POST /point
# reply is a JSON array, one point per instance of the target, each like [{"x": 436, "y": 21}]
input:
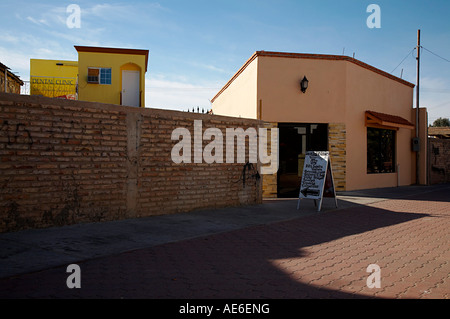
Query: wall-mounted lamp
[{"x": 304, "y": 84}]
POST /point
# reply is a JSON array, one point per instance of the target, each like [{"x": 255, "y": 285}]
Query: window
[
  {"x": 93, "y": 75},
  {"x": 99, "y": 75},
  {"x": 380, "y": 150},
  {"x": 105, "y": 76}
]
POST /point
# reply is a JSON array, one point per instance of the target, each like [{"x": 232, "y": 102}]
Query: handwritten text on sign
[{"x": 314, "y": 173}]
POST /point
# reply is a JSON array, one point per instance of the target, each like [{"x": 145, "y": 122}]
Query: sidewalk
[{"x": 263, "y": 251}]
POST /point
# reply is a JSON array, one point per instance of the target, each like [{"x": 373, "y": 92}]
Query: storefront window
[{"x": 380, "y": 151}]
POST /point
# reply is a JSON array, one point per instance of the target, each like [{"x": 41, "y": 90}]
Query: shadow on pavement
[
  {"x": 414, "y": 192},
  {"x": 235, "y": 264}
]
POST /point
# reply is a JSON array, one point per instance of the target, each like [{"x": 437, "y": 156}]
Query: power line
[
  {"x": 403, "y": 60},
  {"x": 435, "y": 54}
]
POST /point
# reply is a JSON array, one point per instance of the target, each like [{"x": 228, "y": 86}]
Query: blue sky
[{"x": 196, "y": 46}]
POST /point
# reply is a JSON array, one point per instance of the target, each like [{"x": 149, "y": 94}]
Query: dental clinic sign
[
  {"x": 53, "y": 81},
  {"x": 53, "y": 86},
  {"x": 213, "y": 152}
]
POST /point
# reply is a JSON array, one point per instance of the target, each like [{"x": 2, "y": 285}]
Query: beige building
[{"x": 362, "y": 115}]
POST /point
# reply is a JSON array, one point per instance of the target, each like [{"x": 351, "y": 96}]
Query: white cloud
[
  {"x": 6, "y": 37},
  {"x": 177, "y": 95},
  {"x": 89, "y": 36},
  {"x": 209, "y": 67},
  {"x": 110, "y": 11},
  {"x": 120, "y": 12},
  {"x": 38, "y": 21},
  {"x": 18, "y": 62},
  {"x": 45, "y": 15}
]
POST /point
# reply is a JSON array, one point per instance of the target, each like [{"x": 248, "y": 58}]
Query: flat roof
[
  {"x": 311, "y": 56},
  {"x": 114, "y": 50}
]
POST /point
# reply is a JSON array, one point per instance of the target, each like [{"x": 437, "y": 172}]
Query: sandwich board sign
[{"x": 317, "y": 179}]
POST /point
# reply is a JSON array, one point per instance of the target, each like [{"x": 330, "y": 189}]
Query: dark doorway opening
[{"x": 295, "y": 140}]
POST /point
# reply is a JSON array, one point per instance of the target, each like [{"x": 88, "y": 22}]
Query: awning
[{"x": 382, "y": 120}]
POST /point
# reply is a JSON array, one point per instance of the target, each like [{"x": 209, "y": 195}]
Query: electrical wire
[
  {"x": 403, "y": 60},
  {"x": 423, "y": 48},
  {"x": 435, "y": 54}
]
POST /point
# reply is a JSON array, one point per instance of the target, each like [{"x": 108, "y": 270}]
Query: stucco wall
[
  {"x": 367, "y": 90},
  {"x": 240, "y": 99},
  {"x": 340, "y": 91},
  {"x": 282, "y": 100}
]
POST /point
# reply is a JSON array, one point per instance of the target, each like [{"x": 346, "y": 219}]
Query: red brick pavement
[{"x": 320, "y": 256}]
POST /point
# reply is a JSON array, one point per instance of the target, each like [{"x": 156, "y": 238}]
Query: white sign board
[{"x": 317, "y": 178}]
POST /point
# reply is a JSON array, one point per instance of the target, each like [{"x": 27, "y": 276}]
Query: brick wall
[
  {"x": 269, "y": 185},
  {"x": 438, "y": 162},
  {"x": 64, "y": 162},
  {"x": 337, "y": 147}
]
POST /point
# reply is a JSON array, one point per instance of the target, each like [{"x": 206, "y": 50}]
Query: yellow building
[
  {"x": 105, "y": 75},
  {"x": 54, "y": 78},
  {"x": 112, "y": 75}
]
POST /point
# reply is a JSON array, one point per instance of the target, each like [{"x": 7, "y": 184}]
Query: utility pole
[{"x": 417, "y": 106}]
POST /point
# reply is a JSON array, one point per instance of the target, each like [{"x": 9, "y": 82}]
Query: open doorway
[{"x": 295, "y": 140}]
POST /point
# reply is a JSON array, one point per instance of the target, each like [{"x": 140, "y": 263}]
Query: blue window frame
[{"x": 105, "y": 76}]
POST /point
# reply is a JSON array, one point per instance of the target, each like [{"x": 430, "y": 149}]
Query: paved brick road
[{"x": 319, "y": 256}]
